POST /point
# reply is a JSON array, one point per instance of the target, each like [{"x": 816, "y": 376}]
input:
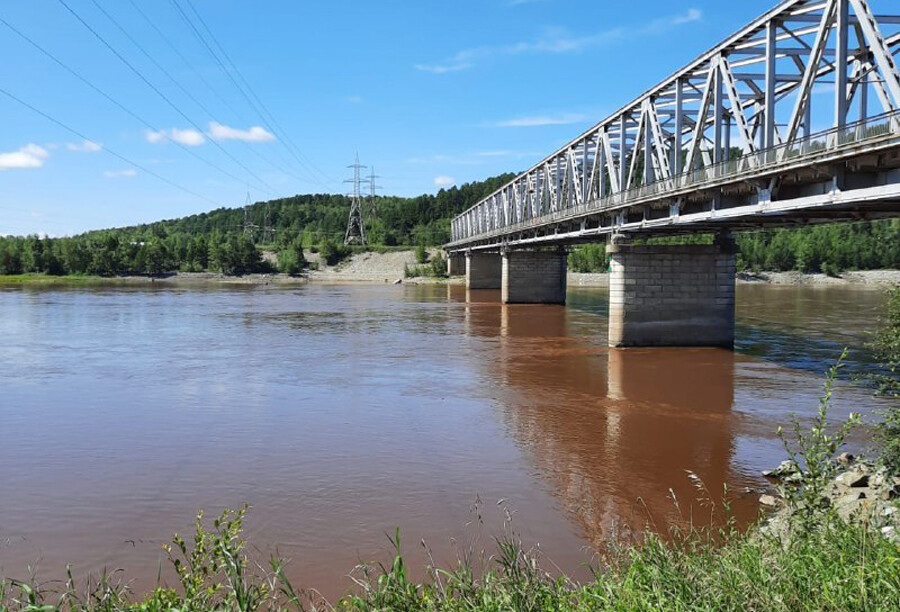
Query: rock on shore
[{"x": 859, "y": 493}]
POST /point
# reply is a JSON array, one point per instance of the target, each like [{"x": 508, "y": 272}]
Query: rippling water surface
[{"x": 341, "y": 412}]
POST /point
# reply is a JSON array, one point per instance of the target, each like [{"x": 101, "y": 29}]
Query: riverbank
[
  {"x": 176, "y": 279},
  {"x": 825, "y": 563},
  {"x": 858, "y": 277},
  {"x": 391, "y": 267}
]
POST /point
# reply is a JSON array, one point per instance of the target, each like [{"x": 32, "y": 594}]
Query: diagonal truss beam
[{"x": 758, "y": 89}]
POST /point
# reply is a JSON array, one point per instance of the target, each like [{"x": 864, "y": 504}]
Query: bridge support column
[
  {"x": 483, "y": 270},
  {"x": 672, "y": 295},
  {"x": 456, "y": 264},
  {"x": 534, "y": 277}
]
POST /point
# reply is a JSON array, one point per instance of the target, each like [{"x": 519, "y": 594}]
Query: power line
[
  {"x": 146, "y": 54},
  {"x": 121, "y": 106},
  {"x": 252, "y": 93},
  {"x": 237, "y": 86},
  {"x": 186, "y": 61},
  {"x": 161, "y": 94},
  {"x": 128, "y": 161},
  {"x": 283, "y": 137},
  {"x": 178, "y": 84}
]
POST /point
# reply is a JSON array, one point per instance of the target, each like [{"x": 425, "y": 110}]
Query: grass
[
  {"x": 69, "y": 280},
  {"x": 832, "y": 567}
]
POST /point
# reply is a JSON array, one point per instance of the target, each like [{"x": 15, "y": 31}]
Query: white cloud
[
  {"x": 692, "y": 15},
  {"x": 217, "y": 131},
  {"x": 355, "y": 99},
  {"x": 541, "y": 120},
  {"x": 86, "y": 146},
  {"x": 189, "y": 138},
  {"x": 453, "y": 66},
  {"x": 128, "y": 173},
  {"x": 444, "y": 181},
  {"x": 558, "y": 40},
  {"x": 29, "y": 156}
]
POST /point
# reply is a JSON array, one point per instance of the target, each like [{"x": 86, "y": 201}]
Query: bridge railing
[{"x": 756, "y": 162}]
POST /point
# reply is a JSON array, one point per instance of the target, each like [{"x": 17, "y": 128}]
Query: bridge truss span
[{"x": 795, "y": 118}]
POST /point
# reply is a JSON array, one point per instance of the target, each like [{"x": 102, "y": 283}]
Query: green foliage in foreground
[
  {"x": 886, "y": 347},
  {"x": 834, "y": 566}
]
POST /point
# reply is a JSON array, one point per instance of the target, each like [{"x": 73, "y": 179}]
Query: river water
[{"x": 341, "y": 412}]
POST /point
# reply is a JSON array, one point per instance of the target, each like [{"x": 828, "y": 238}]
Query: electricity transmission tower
[
  {"x": 268, "y": 233},
  {"x": 356, "y": 225},
  {"x": 249, "y": 226},
  {"x": 372, "y": 213}
]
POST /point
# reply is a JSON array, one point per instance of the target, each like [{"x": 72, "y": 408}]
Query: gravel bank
[
  {"x": 862, "y": 277},
  {"x": 365, "y": 267}
]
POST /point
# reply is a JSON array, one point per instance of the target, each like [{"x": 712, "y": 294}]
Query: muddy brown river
[{"x": 341, "y": 412}]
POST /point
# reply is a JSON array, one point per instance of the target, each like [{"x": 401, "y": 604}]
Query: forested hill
[
  {"x": 217, "y": 240},
  {"x": 424, "y": 219}
]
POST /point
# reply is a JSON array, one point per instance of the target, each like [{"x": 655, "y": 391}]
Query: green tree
[
  {"x": 332, "y": 253},
  {"x": 588, "y": 258},
  {"x": 291, "y": 260},
  {"x": 155, "y": 258}
]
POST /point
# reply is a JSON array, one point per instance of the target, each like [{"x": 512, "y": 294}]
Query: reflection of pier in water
[{"x": 612, "y": 430}]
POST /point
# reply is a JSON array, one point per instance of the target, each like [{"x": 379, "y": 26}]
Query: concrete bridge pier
[
  {"x": 483, "y": 270},
  {"x": 456, "y": 264},
  {"x": 672, "y": 295},
  {"x": 534, "y": 277}
]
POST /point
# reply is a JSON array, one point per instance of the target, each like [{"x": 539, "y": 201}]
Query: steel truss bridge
[{"x": 732, "y": 141}]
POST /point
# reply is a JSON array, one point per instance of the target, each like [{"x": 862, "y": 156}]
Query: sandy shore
[{"x": 364, "y": 267}]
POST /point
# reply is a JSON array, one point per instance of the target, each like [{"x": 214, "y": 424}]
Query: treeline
[
  {"x": 112, "y": 253},
  {"x": 830, "y": 249},
  {"x": 424, "y": 219},
  {"x": 218, "y": 241}
]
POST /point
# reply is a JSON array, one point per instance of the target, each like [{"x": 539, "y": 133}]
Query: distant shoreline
[{"x": 389, "y": 268}]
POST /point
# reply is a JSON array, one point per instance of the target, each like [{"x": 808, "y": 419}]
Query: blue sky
[{"x": 430, "y": 93}]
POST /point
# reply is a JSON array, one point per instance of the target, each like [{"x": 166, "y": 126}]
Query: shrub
[
  {"x": 291, "y": 260},
  {"x": 813, "y": 452},
  {"x": 421, "y": 254},
  {"x": 438, "y": 266},
  {"x": 886, "y": 348},
  {"x": 333, "y": 253},
  {"x": 831, "y": 269}
]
